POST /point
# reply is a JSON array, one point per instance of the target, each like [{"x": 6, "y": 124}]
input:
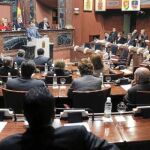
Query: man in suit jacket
[
  {"x": 120, "y": 39},
  {"x": 41, "y": 59},
  {"x": 44, "y": 24},
  {"x": 141, "y": 82},
  {"x": 87, "y": 81},
  {"x": 20, "y": 57},
  {"x": 25, "y": 82},
  {"x": 7, "y": 68},
  {"x": 19, "y": 24},
  {"x": 39, "y": 112}
]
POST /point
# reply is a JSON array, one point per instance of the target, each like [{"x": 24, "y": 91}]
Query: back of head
[
  {"x": 85, "y": 67},
  {"x": 142, "y": 75},
  {"x": 96, "y": 60},
  {"x": 27, "y": 68},
  {"x": 40, "y": 51},
  {"x": 39, "y": 108},
  {"x": 59, "y": 64},
  {"x": 21, "y": 53},
  {"x": 7, "y": 61}
]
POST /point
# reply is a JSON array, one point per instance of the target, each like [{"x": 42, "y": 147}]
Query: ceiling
[{"x": 49, "y": 3}]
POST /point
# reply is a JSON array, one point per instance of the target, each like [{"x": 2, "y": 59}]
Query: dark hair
[
  {"x": 85, "y": 67},
  {"x": 96, "y": 60},
  {"x": 21, "y": 53},
  {"x": 39, "y": 107},
  {"x": 7, "y": 61},
  {"x": 59, "y": 64},
  {"x": 27, "y": 68},
  {"x": 40, "y": 51}
]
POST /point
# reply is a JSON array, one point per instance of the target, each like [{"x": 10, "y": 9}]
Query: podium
[{"x": 41, "y": 43}]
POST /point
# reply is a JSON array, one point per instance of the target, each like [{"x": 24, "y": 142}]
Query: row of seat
[{"x": 94, "y": 100}]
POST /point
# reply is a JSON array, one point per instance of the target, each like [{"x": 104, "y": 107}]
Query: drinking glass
[
  {"x": 121, "y": 107},
  {"x": 62, "y": 81},
  {"x": 108, "y": 79}
]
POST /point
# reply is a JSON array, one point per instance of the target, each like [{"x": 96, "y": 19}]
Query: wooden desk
[
  {"x": 56, "y": 91},
  {"x": 107, "y": 131},
  {"x": 129, "y": 133}
]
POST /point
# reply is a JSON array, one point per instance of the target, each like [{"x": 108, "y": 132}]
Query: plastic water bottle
[
  {"x": 46, "y": 68},
  {"x": 108, "y": 108},
  {"x": 101, "y": 78},
  {"x": 55, "y": 80},
  {"x": 15, "y": 66},
  {"x": 9, "y": 75}
]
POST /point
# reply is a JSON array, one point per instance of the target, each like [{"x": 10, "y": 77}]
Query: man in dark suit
[
  {"x": 87, "y": 81},
  {"x": 20, "y": 57},
  {"x": 141, "y": 82},
  {"x": 130, "y": 40},
  {"x": 120, "y": 39},
  {"x": 113, "y": 35},
  {"x": 25, "y": 82},
  {"x": 19, "y": 24},
  {"x": 7, "y": 69},
  {"x": 44, "y": 24},
  {"x": 39, "y": 112},
  {"x": 41, "y": 59},
  {"x": 59, "y": 69}
]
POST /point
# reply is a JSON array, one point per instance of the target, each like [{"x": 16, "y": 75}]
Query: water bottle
[
  {"x": 15, "y": 66},
  {"x": 101, "y": 78},
  {"x": 9, "y": 75},
  {"x": 46, "y": 68},
  {"x": 108, "y": 108},
  {"x": 55, "y": 80}
]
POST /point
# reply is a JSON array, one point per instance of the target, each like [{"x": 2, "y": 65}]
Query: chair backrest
[
  {"x": 5, "y": 78},
  {"x": 94, "y": 100},
  {"x": 142, "y": 98},
  {"x": 49, "y": 79},
  {"x": 14, "y": 100}
]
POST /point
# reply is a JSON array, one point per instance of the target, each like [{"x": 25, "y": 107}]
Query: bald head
[{"x": 142, "y": 75}]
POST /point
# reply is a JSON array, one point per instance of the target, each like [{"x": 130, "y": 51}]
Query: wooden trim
[{"x": 11, "y": 13}]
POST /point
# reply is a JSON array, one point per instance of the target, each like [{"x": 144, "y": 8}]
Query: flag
[{"x": 19, "y": 12}]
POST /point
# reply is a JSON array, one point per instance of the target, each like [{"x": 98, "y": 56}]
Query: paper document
[
  {"x": 85, "y": 124},
  {"x": 2, "y": 125},
  {"x": 126, "y": 87},
  {"x": 127, "y": 71},
  {"x": 120, "y": 118}
]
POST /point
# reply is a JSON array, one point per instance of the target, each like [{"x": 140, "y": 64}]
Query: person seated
[
  {"x": 20, "y": 57},
  {"x": 5, "y": 26},
  {"x": 141, "y": 82},
  {"x": 87, "y": 81},
  {"x": 25, "y": 82},
  {"x": 120, "y": 39},
  {"x": 59, "y": 69},
  {"x": 113, "y": 35},
  {"x": 130, "y": 40},
  {"x": 7, "y": 69},
  {"x": 96, "y": 60},
  {"x": 142, "y": 38},
  {"x": 18, "y": 25},
  {"x": 44, "y": 24},
  {"x": 108, "y": 37},
  {"x": 41, "y": 59},
  {"x": 32, "y": 31},
  {"x": 39, "y": 111}
]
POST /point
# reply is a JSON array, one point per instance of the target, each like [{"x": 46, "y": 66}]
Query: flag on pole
[{"x": 19, "y": 12}]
